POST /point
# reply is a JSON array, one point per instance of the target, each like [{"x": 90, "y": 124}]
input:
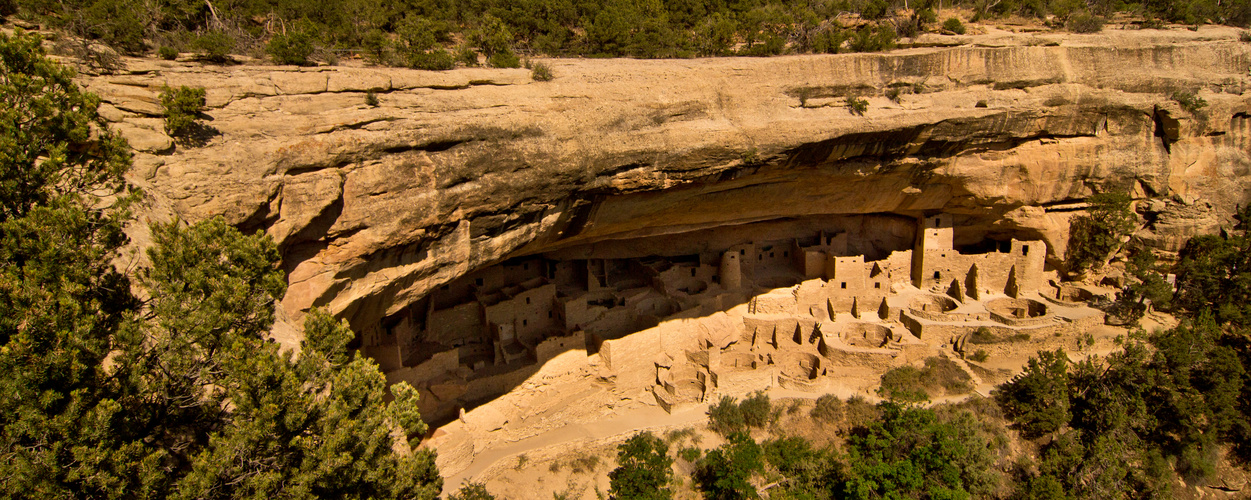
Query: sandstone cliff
[{"x": 375, "y": 206}]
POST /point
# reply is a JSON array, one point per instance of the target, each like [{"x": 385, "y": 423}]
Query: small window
[
  {"x": 549, "y": 314},
  {"x": 759, "y": 257},
  {"x": 786, "y": 253},
  {"x": 692, "y": 272},
  {"x": 742, "y": 252},
  {"x": 525, "y": 267},
  {"x": 1025, "y": 250},
  {"x": 844, "y": 284},
  {"x": 478, "y": 281},
  {"x": 877, "y": 285},
  {"x": 937, "y": 275},
  {"x": 524, "y": 322},
  {"x": 527, "y": 300},
  {"x": 770, "y": 254}
]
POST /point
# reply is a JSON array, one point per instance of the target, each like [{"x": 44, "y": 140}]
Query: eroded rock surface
[{"x": 376, "y": 206}]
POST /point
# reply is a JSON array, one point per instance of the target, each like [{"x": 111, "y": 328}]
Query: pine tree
[{"x": 180, "y": 394}]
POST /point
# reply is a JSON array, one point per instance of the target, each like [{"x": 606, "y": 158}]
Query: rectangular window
[
  {"x": 936, "y": 275},
  {"x": 877, "y": 285},
  {"x": 478, "y": 281},
  {"x": 527, "y": 300},
  {"x": 844, "y": 284},
  {"x": 524, "y": 322},
  {"x": 1025, "y": 250},
  {"x": 692, "y": 272},
  {"x": 549, "y": 314}
]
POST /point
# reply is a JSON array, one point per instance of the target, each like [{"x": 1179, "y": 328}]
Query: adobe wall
[
  {"x": 938, "y": 267},
  {"x": 455, "y": 325},
  {"x": 632, "y": 358},
  {"x": 555, "y": 346},
  {"x": 439, "y": 364}
]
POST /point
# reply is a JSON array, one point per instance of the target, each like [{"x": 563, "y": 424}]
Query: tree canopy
[
  {"x": 633, "y": 28},
  {"x": 161, "y": 384}
]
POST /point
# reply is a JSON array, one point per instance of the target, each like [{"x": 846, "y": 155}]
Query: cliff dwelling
[{"x": 788, "y": 312}]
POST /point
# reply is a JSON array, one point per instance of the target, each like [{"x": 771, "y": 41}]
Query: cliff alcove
[{"x": 604, "y": 189}]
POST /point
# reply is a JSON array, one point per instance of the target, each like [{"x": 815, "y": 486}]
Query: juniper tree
[{"x": 177, "y": 395}]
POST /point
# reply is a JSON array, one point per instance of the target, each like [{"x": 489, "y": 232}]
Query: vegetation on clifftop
[{"x": 423, "y": 33}]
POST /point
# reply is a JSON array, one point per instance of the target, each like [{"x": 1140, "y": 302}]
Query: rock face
[{"x": 375, "y": 206}]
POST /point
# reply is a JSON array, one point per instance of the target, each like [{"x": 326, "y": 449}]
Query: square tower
[
  {"x": 934, "y": 242},
  {"x": 938, "y": 232},
  {"x": 846, "y": 274}
]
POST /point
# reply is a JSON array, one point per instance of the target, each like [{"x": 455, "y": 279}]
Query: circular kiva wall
[
  {"x": 865, "y": 335},
  {"x": 933, "y": 307},
  {"x": 1017, "y": 312},
  {"x": 684, "y": 383},
  {"x": 801, "y": 365}
]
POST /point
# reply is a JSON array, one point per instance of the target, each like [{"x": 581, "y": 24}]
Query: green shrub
[
  {"x": 167, "y": 53},
  {"x": 467, "y": 56},
  {"x": 584, "y": 463},
  {"x": 645, "y": 470},
  {"x": 1096, "y": 235},
  {"x": 791, "y": 456},
  {"x": 751, "y": 156},
  {"x": 371, "y": 98},
  {"x": 504, "y": 59},
  {"x": 1189, "y": 101},
  {"x": 725, "y": 417},
  {"x": 903, "y": 384},
  {"x": 690, "y": 454},
  {"x": 980, "y": 356},
  {"x": 874, "y": 9},
  {"x": 857, "y": 105},
  {"x": 983, "y": 335},
  {"x": 1085, "y": 23},
  {"x": 541, "y": 72},
  {"x": 472, "y": 491},
  {"x": 829, "y": 40},
  {"x": 1245, "y": 36},
  {"x": 1150, "y": 22},
  {"x": 727, "y": 472},
  {"x": 676, "y": 435},
  {"x": 893, "y": 94},
  {"x": 434, "y": 60},
  {"x": 1037, "y": 399},
  {"x": 954, "y": 25},
  {"x": 376, "y": 46},
  {"x": 756, "y": 409},
  {"x": 829, "y": 408},
  {"x": 214, "y": 46},
  {"x": 290, "y": 48},
  {"x": 873, "y": 39},
  {"x": 182, "y": 107},
  {"x": 909, "y": 384}
]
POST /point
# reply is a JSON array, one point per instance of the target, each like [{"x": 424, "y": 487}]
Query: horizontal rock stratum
[{"x": 375, "y": 206}]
